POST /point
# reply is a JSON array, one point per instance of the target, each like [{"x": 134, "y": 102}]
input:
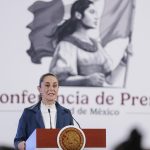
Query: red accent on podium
[{"x": 47, "y": 138}]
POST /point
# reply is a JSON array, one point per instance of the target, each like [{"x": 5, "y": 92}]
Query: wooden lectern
[{"x": 47, "y": 138}]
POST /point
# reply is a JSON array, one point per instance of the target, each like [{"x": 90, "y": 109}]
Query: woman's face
[
  {"x": 90, "y": 18},
  {"x": 49, "y": 89}
]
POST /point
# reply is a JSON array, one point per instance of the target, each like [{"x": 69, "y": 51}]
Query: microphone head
[{"x": 49, "y": 110}]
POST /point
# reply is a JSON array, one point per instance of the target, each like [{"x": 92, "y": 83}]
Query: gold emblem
[{"x": 71, "y": 138}]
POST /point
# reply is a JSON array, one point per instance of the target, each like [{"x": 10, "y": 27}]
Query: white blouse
[{"x": 46, "y": 116}]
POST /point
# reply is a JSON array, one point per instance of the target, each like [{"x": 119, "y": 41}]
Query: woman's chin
[{"x": 50, "y": 101}]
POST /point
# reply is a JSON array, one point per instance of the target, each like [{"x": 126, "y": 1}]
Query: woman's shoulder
[
  {"x": 81, "y": 44},
  {"x": 67, "y": 42},
  {"x": 33, "y": 108},
  {"x": 65, "y": 47},
  {"x": 59, "y": 106}
]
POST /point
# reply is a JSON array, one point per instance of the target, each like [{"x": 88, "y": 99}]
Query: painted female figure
[{"x": 80, "y": 60}]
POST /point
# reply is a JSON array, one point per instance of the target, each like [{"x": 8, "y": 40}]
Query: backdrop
[{"x": 119, "y": 109}]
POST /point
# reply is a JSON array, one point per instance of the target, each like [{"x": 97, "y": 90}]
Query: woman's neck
[
  {"x": 82, "y": 34},
  {"x": 48, "y": 102}
]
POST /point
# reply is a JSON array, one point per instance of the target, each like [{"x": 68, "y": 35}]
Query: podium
[{"x": 47, "y": 138}]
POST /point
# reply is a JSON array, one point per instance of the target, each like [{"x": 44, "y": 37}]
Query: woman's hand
[
  {"x": 22, "y": 145},
  {"x": 95, "y": 79}
]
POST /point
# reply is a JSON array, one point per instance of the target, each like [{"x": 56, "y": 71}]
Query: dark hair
[
  {"x": 45, "y": 75},
  {"x": 70, "y": 25}
]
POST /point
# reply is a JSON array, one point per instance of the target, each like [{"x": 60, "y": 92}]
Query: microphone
[
  {"x": 76, "y": 122},
  {"x": 50, "y": 118},
  {"x": 74, "y": 119}
]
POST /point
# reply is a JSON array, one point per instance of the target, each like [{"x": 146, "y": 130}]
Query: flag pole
[{"x": 129, "y": 47}]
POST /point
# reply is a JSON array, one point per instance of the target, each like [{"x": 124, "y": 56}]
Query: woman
[
  {"x": 47, "y": 113},
  {"x": 80, "y": 60}
]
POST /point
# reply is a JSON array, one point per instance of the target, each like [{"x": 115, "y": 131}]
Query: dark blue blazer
[{"x": 32, "y": 119}]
